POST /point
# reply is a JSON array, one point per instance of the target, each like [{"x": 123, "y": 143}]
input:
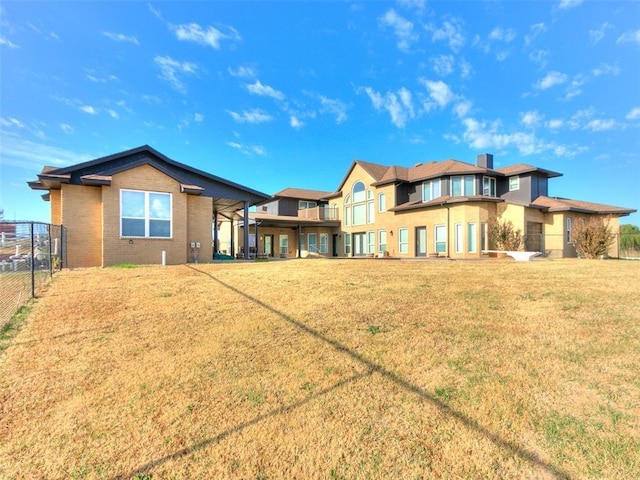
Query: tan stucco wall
[
  {"x": 81, "y": 214},
  {"x": 143, "y": 250}
]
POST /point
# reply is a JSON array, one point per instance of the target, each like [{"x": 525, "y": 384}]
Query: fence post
[
  {"x": 33, "y": 264},
  {"x": 49, "y": 226}
]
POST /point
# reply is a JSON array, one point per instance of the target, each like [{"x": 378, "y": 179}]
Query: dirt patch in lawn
[{"x": 328, "y": 369}]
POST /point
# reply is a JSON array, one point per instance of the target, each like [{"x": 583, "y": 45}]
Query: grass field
[{"x": 328, "y": 369}]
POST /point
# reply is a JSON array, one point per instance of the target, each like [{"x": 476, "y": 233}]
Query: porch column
[
  {"x": 246, "y": 229},
  {"x": 257, "y": 240},
  {"x": 299, "y": 241},
  {"x": 215, "y": 233},
  {"x": 233, "y": 239}
]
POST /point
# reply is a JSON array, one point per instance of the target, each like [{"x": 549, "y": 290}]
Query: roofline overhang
[{"x": 446, "y": 201}]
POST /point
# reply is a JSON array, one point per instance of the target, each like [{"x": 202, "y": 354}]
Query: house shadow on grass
[{"x": 371, "y": 368}]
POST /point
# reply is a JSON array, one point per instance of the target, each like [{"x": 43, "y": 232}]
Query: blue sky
[{"x": 287, "y": 94}]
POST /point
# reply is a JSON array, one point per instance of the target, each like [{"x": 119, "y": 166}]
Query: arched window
[{"x": 358, "y": 192}]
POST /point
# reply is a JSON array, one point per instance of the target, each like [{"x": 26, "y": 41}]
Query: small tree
[
  {"x": 505, "y": 236},
  {"x": 591, "y": 237},
  {"x": 629, "y": 239}
]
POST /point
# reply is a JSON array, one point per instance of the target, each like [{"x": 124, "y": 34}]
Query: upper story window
[
  {"x": 382, "y": 200},
  {"x": 431, "y": 190},
  {"x": 463, "y": 186},
  {"x": 145, "y": 214},
  {"x": 514, "y": 183},
  {"x": 568, "y": 230},
  {"x": 303, "y": 204},
  {"x": 489, "y": 186},
  {"x": 358, "y": 192}
]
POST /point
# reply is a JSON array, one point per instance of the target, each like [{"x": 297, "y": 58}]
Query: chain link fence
[
  {"x": 626, "y": 246},
  {"x": 30, "y": 253}
]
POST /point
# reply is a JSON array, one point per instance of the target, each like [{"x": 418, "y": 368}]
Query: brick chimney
[{"x": 485, "y": 160}]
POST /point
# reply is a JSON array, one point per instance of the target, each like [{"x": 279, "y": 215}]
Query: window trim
[
  {"x": 568, "y": 230},
  {"x": 324, "y": 245},
  {"x": 458, "y": 238},
  {"x": 147, "y": 214},
  {"x": 401, "y": 243},
  {"x": 382, "y": 202},
  {"x": 431, "y": 184},
  {"x": 491, "y": 186},
  {"x": 514, "y": 183},
  {"x": 463, "y": 180},
  {"x": 472, "y": 237},
  {"x": 381, "y": 243}
]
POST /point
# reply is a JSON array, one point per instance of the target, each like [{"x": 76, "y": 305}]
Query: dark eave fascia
[{"x": 445, "y": 201}]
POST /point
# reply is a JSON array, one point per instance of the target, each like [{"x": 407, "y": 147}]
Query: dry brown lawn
[{"x": 351, "y": 369}]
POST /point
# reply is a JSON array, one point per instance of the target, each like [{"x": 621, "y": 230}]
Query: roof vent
[{"x": 418, "y": 164}]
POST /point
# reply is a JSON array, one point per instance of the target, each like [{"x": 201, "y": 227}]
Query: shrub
[
  {"x": 505, "y": 236},
  {"x": 591, "y": 237}
]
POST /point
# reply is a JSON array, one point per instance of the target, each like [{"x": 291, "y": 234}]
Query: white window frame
[
  {"x": 382, "y": 241},
  {"x": 147, "y": 218},
  {"x": 371, "y": 242},
  {"x": 304, "y": 204},
  {"x": 489, "y": 186},
  {"x": 403, "y": 246},
  {"x": 458, "y": 238},
  {"x": 431, "y": 184},
  {"x": 514, "y": 183},
  {"x": 463, "y": 182},
  {"x": 315, "y": 243},
  {"x": 324, "y": 243},
  {"x": 472, "y": 237},
  {"x": 347, "y": 244},
  {"x": 437, "y": 240},
  {"x": 382, "y": 199},
  {"x": 284, "y": 246}
]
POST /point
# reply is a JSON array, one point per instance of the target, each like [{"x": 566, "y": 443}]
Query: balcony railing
[{"x": 318, "y": 213}]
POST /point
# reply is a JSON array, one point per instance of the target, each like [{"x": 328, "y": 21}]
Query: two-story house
[{"x": 436, "y": 208}]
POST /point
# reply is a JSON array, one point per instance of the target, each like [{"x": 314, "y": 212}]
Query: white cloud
[
  {"x": 629, "y": 37},
  {"x": 598, "y": 34},
  {"x": 555, "y": 123},
  {"x": 295, "y": 122},
  {"x": 11, "y": 122},
  {"x": 565, "y": 4},
  {"x": 450, "y": 32},
  {"x": 121, "y": 37},
  {"x": 531, "y": 119},
  {"x": 242, "y": 72},
  {"x": 112, "y": 113},
  {"x": 634, "y": 114},
  {"x": 443, "y": 64},
  {"x": 32, "y": 156},
  {"x": 399, "y": 105},
  {"x": 66, "y": 128},
  {"x": 89, "y": 109},
  {"x": 170, "y": 69},
  {"x": 417, "y": 5},
  {"x": 8, "y": 43},
  {"x": 198, "y": 117},
  {"x": 575, "y": 87},
  {"x": 439, "y": 93},
  {"x": 335, "y": 107},
  {"x": 463, "y": 108},
  {"x": 550, "y": 80},
  {"x": 600, "y": 125},
  {"x": 606, "y": 69},
  {"x": 402, "y": 28},
  {"x": 535, "y": 31},
  {"x": 258, "y": 88},
  {"x": 252, "y": 116},
  {"x": 210, "y": 36},
  {"x": 580, "y": 117},
  {"x": 502, "y": 35},
  {"x": 465, "y": 69},
  {"x": 249, "y": 150},
  {"x": 539, "y": 57}
]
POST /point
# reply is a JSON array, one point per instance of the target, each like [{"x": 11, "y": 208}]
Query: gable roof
[
  {"x": 376, "y": 171},
  {"x": 557, "y": 204},
  {"x": 228, "y": 196},
  {"x": 521, "y": 168},
  {"x": 302, "y": 194}
]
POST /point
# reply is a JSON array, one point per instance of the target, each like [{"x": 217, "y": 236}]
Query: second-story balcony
[{"x": 318, "y": 213}]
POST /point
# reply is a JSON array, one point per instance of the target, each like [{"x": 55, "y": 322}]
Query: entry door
[
  {"x": 268, "y": 245},
  {"x": 421, "y": 241},
  {"x": 335, "y": 244},
  {"x": 359, "y": 242}
]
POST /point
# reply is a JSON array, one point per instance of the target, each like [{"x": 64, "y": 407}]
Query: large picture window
[
  {"x": 489, "y": 186},
  {"x": 463, "y": 186},
  {"x": 145, "y": 214}
]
